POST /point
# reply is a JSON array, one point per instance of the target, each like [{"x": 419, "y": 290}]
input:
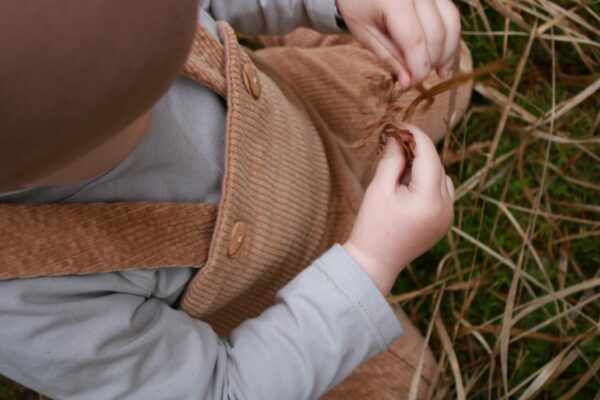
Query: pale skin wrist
[{"x": 382, "y": 275}]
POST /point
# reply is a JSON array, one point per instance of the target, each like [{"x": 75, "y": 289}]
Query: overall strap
[
  {"x": 77, "y": 239},
  {"x": 67, "y": 239},
  {"x": 206, "y": 62}
]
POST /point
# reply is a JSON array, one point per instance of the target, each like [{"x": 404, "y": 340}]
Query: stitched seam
[
  {"x": 213, "y": 164},
  {"x": 356, "y": 303},
  {"x": 138, "y": 284}
]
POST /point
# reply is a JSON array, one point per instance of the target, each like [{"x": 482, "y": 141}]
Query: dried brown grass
[{"x": 513, "y": 309}]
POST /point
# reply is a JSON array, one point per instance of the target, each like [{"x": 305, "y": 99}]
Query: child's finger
[
  {"x": 383, "y": 48},
  {"x": 407, "y": 32},
  {"x": 391, "y": 166},
  {"x": 451, "y": 18},
  {"x": 434, "y": 29},
  {"x": 446, "y": 186},
  {"x": 426, "y": 167},
  {"x": 445, "y": 70},
  {"x": 449, "y": 186}
]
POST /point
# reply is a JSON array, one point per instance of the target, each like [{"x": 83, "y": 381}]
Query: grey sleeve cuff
[
  {"x": 326, "y": 322},
  {"x": 322, "y": 15},
  {"x": 352, "y": 281}
]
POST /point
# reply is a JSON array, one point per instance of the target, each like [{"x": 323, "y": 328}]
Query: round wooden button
[
  {"x": 251, "y": 80},
  {"x": 237, "y": 239}
]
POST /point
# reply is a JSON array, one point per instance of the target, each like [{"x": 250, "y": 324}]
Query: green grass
[
  {"x": 571, "y": 175},
  {"x": 473, "y": 283},
  {"x": 12, "y": 391}
]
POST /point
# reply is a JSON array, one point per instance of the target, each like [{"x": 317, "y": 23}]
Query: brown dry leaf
[{"x": 382, "y": 96}]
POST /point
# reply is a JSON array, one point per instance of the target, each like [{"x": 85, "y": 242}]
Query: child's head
[{"x": 74, "y": 73}]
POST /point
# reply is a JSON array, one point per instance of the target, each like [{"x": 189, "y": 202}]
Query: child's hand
[
  {"x": 413, "y": 35},
  {"x": 403, "y": 213}
]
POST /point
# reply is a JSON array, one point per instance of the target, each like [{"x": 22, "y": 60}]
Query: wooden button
[
  {"x": 237, "y": 239},
  {"x": 251, "y": 80}
]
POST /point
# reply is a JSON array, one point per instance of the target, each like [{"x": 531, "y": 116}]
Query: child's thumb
[{"x": 392, "y": 163}]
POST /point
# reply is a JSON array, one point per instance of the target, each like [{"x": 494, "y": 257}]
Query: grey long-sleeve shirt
[{"x": 117, "y": 336}]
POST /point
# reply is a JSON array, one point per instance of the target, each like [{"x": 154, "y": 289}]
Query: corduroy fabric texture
[
  {"x": 291, "y": 175},
  {"x": 280, "y": 181},
  {"x": 291, "y": 180},
  {"x": 77, "y": 239}
]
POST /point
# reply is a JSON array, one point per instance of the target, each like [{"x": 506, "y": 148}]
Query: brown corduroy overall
[{"x": 291, "y": 189}]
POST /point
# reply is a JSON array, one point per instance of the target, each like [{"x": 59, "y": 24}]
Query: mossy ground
[{"x": 538, "y": 211}]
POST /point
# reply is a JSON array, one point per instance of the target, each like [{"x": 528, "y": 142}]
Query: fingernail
[
  {"x": 440, "y": 72},
  {"x": 445, "y": 73},
  {"x": 389, "y": 144},
  {"x": 401, "y": 77}
]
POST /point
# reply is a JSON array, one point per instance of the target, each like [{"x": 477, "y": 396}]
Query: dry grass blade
[
  {"x": 541, "y": 301},
  {"x": 451, "y": 84},
  {"x": 516, "y": 334},
  {"x": 570, "y": 238},
  {"x": 416, "y": 379},
  {"x": 578, "y": 182},
  {"x": 475, "y": 331},
  {"x": 583, "y": 207},
  {"x": 582, "y": 381},
  {"x": 507, "y": 323},
  {"x": 500, "y": 99},
  {"x": 575, "y": 101},
  {"x": 507, "y": 108},
  {"x": 514, "y": 17},
  {"x": 452, "y": 157},
  {"x": 532, "y": 331},
  {"x": 447, "y": 346},
  {"x": 534, "y": 375},
  {"x": 400, "y": 298},
  {"x": 470, "y": 184},
  {"x": 581, "y": 221},
  {"x": 549, "y": 370},
  {"x": 558, "y": 138},
  {"x": 522, "y": 234},
  {"x": 499, "y": 257}
]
